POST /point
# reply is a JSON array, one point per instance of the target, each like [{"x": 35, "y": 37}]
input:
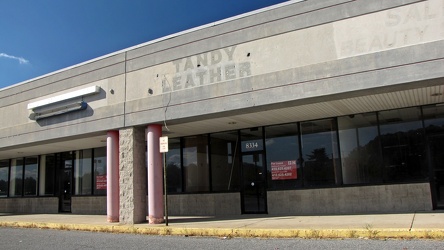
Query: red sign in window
[
  {"x": 100, "y": 182},
  {"x": 283, "y": 170}
]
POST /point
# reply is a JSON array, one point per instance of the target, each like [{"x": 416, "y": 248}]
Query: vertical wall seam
[{"x": 124, "y": 91}]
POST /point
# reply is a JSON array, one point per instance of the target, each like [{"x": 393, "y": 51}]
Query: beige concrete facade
[
  {"x": 351, "y": 200},
  {"x": 88, "y": 205},
  {"x": 31, "y": 205},
  {"x": 204, "y": 204},
  {"x": 301, "y": 61},
  {"x": 227, "y": 71}
]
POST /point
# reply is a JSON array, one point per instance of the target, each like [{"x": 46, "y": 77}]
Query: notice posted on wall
[
  {"x": 284, "y": 170},
  {"x": 100, "y": 182}
]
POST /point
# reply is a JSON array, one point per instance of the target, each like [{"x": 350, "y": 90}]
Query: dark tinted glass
[
  {"x": 283, "y": 160},
  {"x": 174, "y": 169},
  {"x": 320, "y": 153},
  {"x": 195, "y": 164},
  {"x": 225, "y": 151},
  {"x": 403, "y": 148},
  {"x": 360, "y": 149}
]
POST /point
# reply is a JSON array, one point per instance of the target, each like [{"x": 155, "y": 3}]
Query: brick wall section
[
  {"x": 204, "y": 204},
  {"x": 133, "y": 175},
  {"x": 351, "y": 200},
  {"x": 34, "y": 205},
  {"x": 88, "y": 205}
]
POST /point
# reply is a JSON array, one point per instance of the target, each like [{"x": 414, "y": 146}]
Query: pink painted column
[
  {"x": 112, "y": 176},
  {"x": 155, "y": 175}
]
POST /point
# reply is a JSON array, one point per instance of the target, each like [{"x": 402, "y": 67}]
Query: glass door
[
  {"x": 254, "y": 171},
  {"x": 65, "y": 181},
  {"x": 65, "y": 197},
  {"x": 254, "y": 185}
]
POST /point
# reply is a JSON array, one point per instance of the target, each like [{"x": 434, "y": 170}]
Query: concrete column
[
  {"x": 155, "y": 175},
  {"x": 112, "y": 176},
  {"x": 133, "y": 183}
]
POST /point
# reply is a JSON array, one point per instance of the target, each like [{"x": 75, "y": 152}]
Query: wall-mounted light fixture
[
  {"x": 61, "y": 104},
  {"x": 78, "y": 93},
  {"x": 40, "y": 114}
]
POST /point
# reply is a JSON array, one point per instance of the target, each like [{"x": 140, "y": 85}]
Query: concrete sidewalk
[{"x": 409, "y": 225}]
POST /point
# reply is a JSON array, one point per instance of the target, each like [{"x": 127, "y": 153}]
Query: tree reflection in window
[{"x": 320, "y": 150}]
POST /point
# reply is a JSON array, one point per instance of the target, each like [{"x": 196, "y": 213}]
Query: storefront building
[{"x": 307, "y": 107}]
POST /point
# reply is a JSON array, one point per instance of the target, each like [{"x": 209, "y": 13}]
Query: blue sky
[{"x": 41, "y": 36}]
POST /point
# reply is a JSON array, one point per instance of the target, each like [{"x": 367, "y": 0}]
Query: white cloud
[{"x": 20, "y": 59}]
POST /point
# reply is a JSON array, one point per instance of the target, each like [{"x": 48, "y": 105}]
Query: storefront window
[
  {"x": 83, "y": 173},
  {"x": 174, "y": 170},
  {"x": 4, "y": 175},
  {"x": 434, "y": 120},
  {"x": 320, "y": 153},
  {"x": 100, "y": 171},
  {"x": 16, "y": 178},
  {"x": 434, "y": 125},
  {"x": 195, "y": 163},
  {"x": 47, "y": 174},
  {"x": 283, "y": 160},
  {"x": 31, "y": 175},
  {"x": 360, "y": 149},
  {"x": 403, "y": 148},
  {"x": 225, "y": 153}
]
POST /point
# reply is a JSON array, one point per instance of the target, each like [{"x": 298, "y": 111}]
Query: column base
[
  {"x": 153, "y": 220},
  {"x": 112, "y": 219}
]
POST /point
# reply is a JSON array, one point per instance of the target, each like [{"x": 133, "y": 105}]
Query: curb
[{"x": 366, "y": 233}]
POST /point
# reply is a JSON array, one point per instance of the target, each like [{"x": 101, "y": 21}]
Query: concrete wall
[
  {"x": 269, "y": 58},
  {"x": 347, "y": 200},
  {"x": 339, "y": 50},
  {"x": 132, "y": 175},
  {"x": 351, "y": 200},
  {"x": 88, "y": 205},
  {"x": 204, "y": 204},
  {"x": 34, "y": 205},
  {"x": 104, "y": 111},
  {"x": 50, "y": 205}
]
